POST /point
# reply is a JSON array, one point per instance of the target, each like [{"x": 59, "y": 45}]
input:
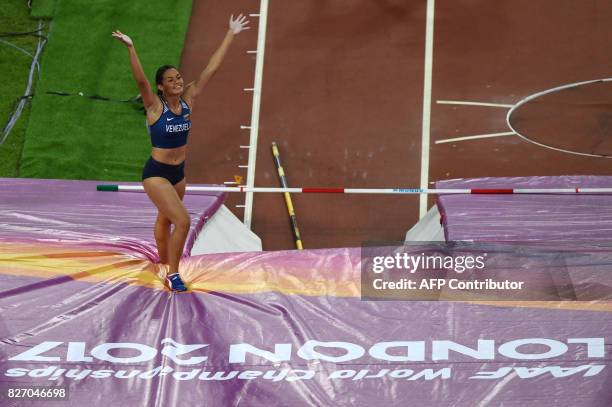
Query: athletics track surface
[{"x": 343, "y": 89}]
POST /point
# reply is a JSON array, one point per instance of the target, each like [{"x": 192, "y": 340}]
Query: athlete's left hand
[{"x": 239, "y": 24}]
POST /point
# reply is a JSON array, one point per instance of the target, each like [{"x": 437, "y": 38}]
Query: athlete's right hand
[{"x": 123, "y": 38}]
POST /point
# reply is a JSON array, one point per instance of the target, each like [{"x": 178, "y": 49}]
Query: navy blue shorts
[{"x": 173, "y": 173}]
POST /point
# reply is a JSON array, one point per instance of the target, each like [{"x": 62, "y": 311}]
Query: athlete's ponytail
[{"x": 159, "y": 76}]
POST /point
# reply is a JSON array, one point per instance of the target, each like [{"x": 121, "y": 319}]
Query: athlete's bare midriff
[{"x": 171, "y": 156}]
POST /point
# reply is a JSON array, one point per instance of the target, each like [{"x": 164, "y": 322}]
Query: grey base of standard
[
  {"x": 428, "y": 229},
  {"x": 225, "y": 233}
]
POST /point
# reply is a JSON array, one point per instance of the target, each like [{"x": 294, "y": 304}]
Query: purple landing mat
[
  {"x": 73, "y": 211},
  {"x": 118, "y": 344},
  {"x": 527, "y": 217}
]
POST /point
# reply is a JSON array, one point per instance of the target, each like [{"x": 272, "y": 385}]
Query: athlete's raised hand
[
  {"x": 149, "y": 99},
  {"x": 239, "y": 24},
  {"x": 123, "y": 38}
]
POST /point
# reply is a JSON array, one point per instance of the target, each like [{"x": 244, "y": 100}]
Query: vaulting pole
[{"x": 289, "y": 203}]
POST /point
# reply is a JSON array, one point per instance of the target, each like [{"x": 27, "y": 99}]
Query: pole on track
[{"x": 289, "y": 203}]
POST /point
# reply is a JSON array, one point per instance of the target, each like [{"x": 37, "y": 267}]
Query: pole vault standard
[{"x": 400, "y": 191}]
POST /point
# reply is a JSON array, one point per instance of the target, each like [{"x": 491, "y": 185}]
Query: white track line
[
  {"x": 545, "y": 92},
  {"x": 261, "y": 46},
  {"x": 468, "y": 103},
  {"x": 425, "y": 135},
  {"x": 479, "y": 136}
]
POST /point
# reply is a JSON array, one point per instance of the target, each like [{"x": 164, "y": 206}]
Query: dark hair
[{"x": 159, "y": 75}]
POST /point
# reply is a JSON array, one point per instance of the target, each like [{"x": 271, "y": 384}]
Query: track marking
[
  {"x": 254, "y": 125},
  {"x": 479, "y": 136},
  {"x": 469, "y": 103},
  {"x": 511, "y": 110},
  {"x": 425, "y": 135},
  {"x": 545, "y": 92}
]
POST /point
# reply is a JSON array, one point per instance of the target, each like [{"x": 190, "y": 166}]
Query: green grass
[
  {"x": 78, "y": 138},
  {"x": 43, "y": 8},
  {"x": 15, "y": 66}
]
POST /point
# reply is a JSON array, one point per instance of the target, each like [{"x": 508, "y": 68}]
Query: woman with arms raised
[{"x": 168, "y": 120}]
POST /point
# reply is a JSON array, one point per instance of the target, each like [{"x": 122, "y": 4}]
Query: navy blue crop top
[{"x": 171, "y": 130}]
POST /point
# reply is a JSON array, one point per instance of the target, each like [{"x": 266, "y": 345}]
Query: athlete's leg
[
  {"x": 162, "y": 237},
  {"x": 180, "y": 188},
  {"x": 162, "y": 227},
  {"x": 169, "y": 204}
]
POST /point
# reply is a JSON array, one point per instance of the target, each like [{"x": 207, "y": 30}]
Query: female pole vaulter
[{"x": 168, "y": 120}]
